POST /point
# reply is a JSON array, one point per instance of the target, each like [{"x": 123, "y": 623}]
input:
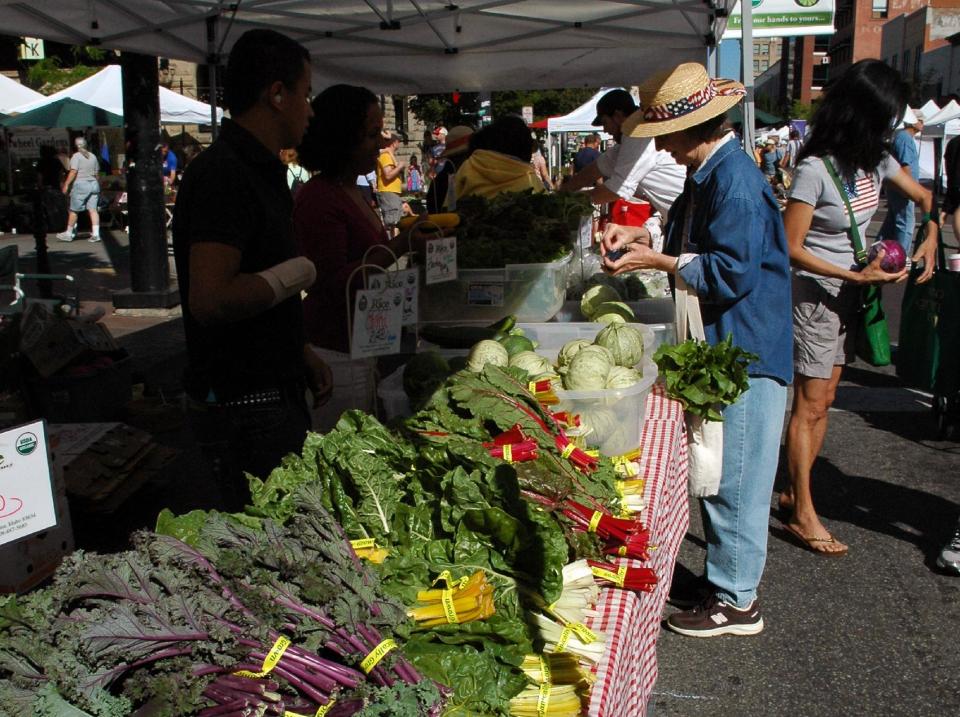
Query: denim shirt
[{"x": 742, "y": 271}]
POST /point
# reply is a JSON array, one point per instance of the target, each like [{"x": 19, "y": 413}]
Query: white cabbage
[
  {"x": 623, "y": 377},
  {"x": 485, "y": 352},
  {"x": 599, "y": 425},
  {"x": 609, "y": 309},
  {"x": 533, "y": 363},
  {"x": 569, "y": 350},
  {"x": 624, "y": 342},
  {"x": 594, "y": 297},
  {"x": 588, "y": 370}
]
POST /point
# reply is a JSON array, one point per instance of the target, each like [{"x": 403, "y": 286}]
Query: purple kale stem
[
  {"x": 322, "y": 619},
  {"x": 204, "y": 670},
  {"x": 303, "y": 685},
  {"x": 262, "y": 688},
  {"x": 232, "y": 709},
  {"x": 346, "y": 676},
  {"x": 161, "y": 655}
]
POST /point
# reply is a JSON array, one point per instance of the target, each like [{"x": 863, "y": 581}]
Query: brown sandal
[{"x": 811, "y": 543}]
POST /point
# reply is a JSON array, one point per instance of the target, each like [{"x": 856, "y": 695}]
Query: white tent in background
[
  {"x": 929, "y": 109},
  {"x": 13, "y": 94},
  {"x": 581, "y": 119},
  {"x": 105, "y": 90}
]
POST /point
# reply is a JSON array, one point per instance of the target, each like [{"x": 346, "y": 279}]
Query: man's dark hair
[
  {"x": 335, "y": 130},
  {"x": 843, "y": 128},
  {"x": 258, "y": 59},
  {"x": 507, "y": 135},
  {"x": 592, "y": 139},
  {"x": 611, "y": 102}
]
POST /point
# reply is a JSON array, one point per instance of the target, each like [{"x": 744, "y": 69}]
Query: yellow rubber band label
[
  {"x": 568, "y": 450},
  {"x": 614, "y": 577},
  {"x": 270, "y": 661},
  {"x": 592, "y": 453},
  {"x": 584, "y": 633},
  {"x": 546, "y": 674},
  {"x": 321, "y": 711},
  {"x": 594, "y": 521},
  {"x": 622, "y": 551},
  {"x": 508, "y": 453},
  {"x": 565, "y": 635},
  {"x": 378, "y": 653},
  {"x": 364, "y": 543},
  {"x": 543, "y": 700},
  {"x": 449, "y": 611}
]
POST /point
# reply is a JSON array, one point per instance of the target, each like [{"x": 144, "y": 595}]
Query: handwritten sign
[
  {"x": 441, "y": 260},
  {"x": 377, "y": 322},
  {"x": 408, "y": 282},
  {"x": 26, "y": 492}
]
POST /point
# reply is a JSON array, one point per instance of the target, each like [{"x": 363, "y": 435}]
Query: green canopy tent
[
  {"x": 65, "y": 113},
  {"x": 761, "y": 118}
]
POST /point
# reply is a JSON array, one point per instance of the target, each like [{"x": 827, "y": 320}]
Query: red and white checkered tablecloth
[{"x": 631, "y": 620}]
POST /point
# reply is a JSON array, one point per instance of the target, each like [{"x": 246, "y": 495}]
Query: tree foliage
[
  {"x": 50, "y": 75},
  {"x": 440, "y": 108}
]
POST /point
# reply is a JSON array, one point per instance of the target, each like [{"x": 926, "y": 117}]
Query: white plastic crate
[
  {"x": 531, "y": 292},
  {"x": 625, "y": 409}
]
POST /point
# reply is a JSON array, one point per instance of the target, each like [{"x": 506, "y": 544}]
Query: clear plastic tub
[
  {"x": 550, "y": 337},
  {"x": 531, "y": 292},
  {"x": 620, "y": 413},
  {"x": 392, "y": 397},
  {"x": 646, "y": 311}
]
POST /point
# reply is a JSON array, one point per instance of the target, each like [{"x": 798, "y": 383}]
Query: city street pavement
[{"x": 873, "y": 633}]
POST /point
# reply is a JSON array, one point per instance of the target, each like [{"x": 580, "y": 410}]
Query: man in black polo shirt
[{"x": 240, "y": 274}]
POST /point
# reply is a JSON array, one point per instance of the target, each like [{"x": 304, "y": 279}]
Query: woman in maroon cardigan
[{"x": 334, "y": 226}]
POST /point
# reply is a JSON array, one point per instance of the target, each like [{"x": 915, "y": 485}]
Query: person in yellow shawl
[{"x": 500, "y": 161}]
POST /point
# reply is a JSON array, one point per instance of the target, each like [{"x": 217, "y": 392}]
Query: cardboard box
[{"x": 51, "y": 342}]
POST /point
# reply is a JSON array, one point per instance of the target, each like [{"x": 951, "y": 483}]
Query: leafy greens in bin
[{"x": 517, "y": 228}]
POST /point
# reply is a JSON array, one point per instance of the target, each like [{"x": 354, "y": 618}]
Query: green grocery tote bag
[{"x": 928, "y": 357}]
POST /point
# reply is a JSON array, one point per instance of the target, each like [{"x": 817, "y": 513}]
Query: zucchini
[
  {"x": 448, "y": 220},
  {"x": 464, "y": 337}
]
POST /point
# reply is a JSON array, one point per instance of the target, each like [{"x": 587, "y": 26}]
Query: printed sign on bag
[
  {"x": 377, "y": 321},
  {"x": 441, "y": 260},
  {"x": 26, "y": 492},
  {"x": 406, "y": 281}
]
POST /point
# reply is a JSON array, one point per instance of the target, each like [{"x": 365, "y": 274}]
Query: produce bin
[
  {"x": 531, "y": 292},
  {"x": 550, "y": 337},
  {"x": 622, "y": 410},
  {"x": 647, "y": 311}
]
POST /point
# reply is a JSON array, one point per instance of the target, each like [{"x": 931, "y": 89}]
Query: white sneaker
[
  {"x": 65, "y": 236},
  {"x": 94, "y": 238},
  {"x": 949, "y": 558}
]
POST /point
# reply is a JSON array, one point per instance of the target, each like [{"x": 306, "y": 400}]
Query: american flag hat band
[{"x": 685, "y": 105}]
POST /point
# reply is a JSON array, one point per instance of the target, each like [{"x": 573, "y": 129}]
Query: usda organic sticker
[{"x": 26, "y": 444}]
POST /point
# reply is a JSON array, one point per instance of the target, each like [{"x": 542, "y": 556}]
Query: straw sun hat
[{"x": 680, "y": 98}]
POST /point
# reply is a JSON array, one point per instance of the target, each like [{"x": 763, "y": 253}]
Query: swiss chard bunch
[{"x": 704, "y": 378}]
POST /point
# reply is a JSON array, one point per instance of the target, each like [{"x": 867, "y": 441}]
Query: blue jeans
[
  {"x": 900, "y": 220},
  {"x": 736, "y": 519}
]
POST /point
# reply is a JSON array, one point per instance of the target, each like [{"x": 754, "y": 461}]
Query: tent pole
[
  {"x": 6, "y": 140},
  {"x": 149, "y": 266},
  {"x": 712, "y": 60},
  {"x": 212, "y": 61},
  {"x": 746, "y": 73}
]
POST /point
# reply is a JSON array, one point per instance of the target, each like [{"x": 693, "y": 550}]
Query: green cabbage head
[
  {"x": 624, "y": 342},
  {"x": 484, "y": 352},
  {"x": 533, "y": 363}
]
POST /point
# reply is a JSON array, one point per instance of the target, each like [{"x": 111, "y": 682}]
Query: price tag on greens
[
  {"x": 26, "y": 492},
  {"x": 377, "y": 323},
  {"x": 408, "y": 282},
  {"x": 441, "y": 264}
]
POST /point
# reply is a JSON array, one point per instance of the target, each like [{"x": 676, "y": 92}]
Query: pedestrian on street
[
  {"x": 390, "y": 180},
  {"x": 725, "y": 239},
  {"x": 441, "y": 195},
  {"x": 240, "y": 274},
  {"x": 588, "y": 153},
  {"x": 901, "y": 211},
  {"x": 848, "y": 142},
  {"x": 84, "y": 189}
]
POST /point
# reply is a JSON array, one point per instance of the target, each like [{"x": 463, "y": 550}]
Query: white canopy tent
[
  {"x": 105, "y": 90},
  {"x": 406, "y": 46},
  {"x": 581, "y": 119},
  {"x": 13, "y": 93}
]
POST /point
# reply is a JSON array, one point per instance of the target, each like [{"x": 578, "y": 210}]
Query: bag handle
[
  {"x": 859, "y": 254},
  {"x": 686, "y": 303}
]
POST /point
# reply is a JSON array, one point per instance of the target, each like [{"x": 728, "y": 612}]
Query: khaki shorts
[
  {"x": 824, "y": 327},
  {"x": 391, "y": 206}
]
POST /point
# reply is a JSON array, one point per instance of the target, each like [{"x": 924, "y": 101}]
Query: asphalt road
[{"x": 873, "y": 633}]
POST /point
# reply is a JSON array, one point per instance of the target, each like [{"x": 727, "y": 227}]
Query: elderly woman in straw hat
[{"x": 725, "y": 241}]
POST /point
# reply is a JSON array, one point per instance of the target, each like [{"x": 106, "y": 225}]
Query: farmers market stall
[{"x": 631, "y": 620}]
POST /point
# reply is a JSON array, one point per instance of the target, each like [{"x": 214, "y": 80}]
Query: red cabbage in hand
[{"x": 894, "y": 258}]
